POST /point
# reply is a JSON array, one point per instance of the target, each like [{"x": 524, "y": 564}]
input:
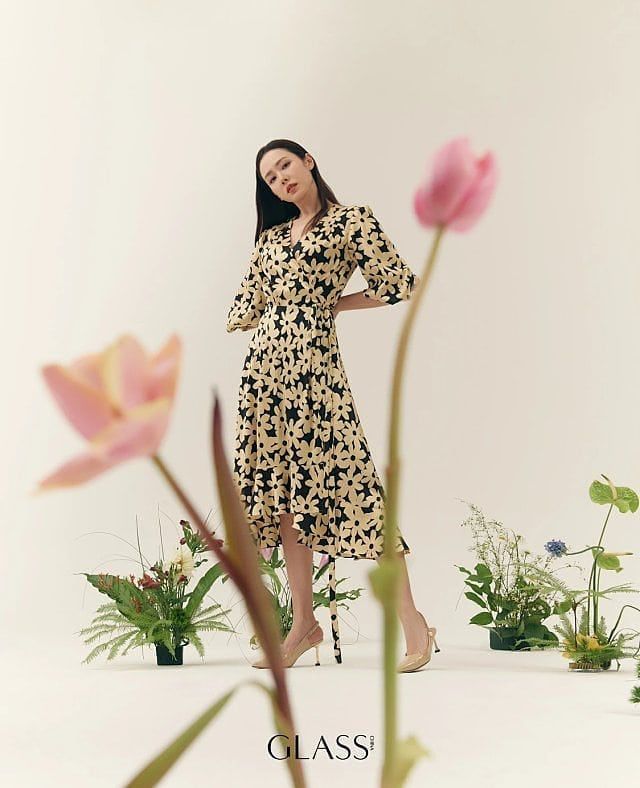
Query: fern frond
[
  {"x": 117, "y": 642},
  {"x": 197, "y": 643}
]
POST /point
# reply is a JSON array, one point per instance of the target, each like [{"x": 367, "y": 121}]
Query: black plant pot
[
  {"x": 499, "y": 640},
  {"x": 163, "y": 655}
]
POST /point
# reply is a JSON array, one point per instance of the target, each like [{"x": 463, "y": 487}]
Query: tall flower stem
[
  {"x": 390, "y": 557},
  {"x": 596, "y": 577},
  {"x": 281, "y": 695}
]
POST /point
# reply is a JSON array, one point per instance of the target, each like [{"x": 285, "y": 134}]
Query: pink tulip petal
[
  {"x": 267, "y": 552},
  {"x": 138, "y": 435},
  {"x": 77, "y": 471},
  {"x": 476, "y": 201},
  {"x": 454, "y": 171},
  {"x": 324, "y": 560},
  {"x": 85, "y": 408},
  {"x": 165, "y": 367},
  {"x": 89, "y": 369},
  {"x": 425, "y": 209},
  {"x": 125, "y": 369}
]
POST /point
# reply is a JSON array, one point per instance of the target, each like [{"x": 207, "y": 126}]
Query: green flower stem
[
  {"x": 596, "y": 577},
  {"x": 615, "y": 626},
  {"x": 390, "y": 557},
  {"x": 593, "y": 581},
  {"x": 177, "y": 489}
]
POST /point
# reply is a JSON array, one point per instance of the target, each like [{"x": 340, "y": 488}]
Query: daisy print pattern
[{"x": 299, "y": 444}]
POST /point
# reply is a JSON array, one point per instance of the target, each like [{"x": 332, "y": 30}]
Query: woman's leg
[
  {"x": 299, "y": 564},
  {"x": 412, "y": 623}
]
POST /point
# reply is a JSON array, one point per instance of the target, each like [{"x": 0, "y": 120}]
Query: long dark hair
[{"x": 271, "y": 209}]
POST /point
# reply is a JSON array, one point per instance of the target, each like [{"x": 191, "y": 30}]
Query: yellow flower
[{"x": 590, "y": 642}]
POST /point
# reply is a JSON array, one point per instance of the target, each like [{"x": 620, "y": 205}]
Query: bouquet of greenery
[
  {"x": 158, "y": 608},
  {"x": 502, "y": 583},
  {"x": 273, "y": 570},
  {"x": 587, "y": 643}
]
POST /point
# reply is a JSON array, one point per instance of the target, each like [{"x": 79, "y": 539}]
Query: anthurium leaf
[
  {"x": 408, "y": 753},
  {"x": 608, "y": 561},
  {"x": 624, "y": 498},
  {"x": 482, "y": 619}
]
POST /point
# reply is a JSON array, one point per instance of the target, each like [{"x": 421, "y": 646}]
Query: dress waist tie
[{"x": 333, "y": 608}]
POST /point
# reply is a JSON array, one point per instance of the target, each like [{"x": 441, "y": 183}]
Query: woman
[{"x": 302, "y": 462}]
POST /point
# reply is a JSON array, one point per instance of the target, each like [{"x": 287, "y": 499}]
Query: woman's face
[{"x": 281, "y": 169}]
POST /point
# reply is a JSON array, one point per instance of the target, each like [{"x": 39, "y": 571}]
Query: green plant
[
  {"x": 589, "y": 647},
  {"x": 159, "y": 607},
  {"x": 588, "y": 642},
  {"x": 273, "y": 568},
  {"x": 502, "y": 584}
]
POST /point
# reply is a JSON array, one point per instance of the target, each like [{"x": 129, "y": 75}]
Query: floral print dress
[{"x": 299, "y": 445}]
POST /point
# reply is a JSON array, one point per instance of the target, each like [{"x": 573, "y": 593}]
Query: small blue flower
[{"x": 556, "y": 548}]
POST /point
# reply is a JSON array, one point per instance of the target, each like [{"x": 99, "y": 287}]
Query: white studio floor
[{"x": 489, "y": 718}]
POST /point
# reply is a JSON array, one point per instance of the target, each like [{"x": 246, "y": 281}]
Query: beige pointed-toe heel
[
  {"x": 289, "y": 658},
  {"x": 413, "y": 662}
]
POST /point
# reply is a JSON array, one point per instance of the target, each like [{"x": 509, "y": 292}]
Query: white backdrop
[{"x": 129, "y": 132}]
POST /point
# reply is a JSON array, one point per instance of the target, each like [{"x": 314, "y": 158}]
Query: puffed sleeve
[
  {"x": 388, "y": 276},
  {"x": 249, "y": 301}
]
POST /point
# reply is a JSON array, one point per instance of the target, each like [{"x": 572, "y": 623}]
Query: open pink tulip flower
[
  {"x": 119, "y": 400},
  {"x": 458, "y": 187}
]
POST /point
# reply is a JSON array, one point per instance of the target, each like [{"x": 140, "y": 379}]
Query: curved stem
[{"x": 615, "y": 626}]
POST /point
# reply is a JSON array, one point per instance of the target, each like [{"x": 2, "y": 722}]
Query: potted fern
[{"x": 158, "y": 608}]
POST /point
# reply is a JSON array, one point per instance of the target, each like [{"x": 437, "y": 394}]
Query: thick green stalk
[{"x": 390, "y": 557}]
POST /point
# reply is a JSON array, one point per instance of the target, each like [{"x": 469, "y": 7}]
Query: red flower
[{"x": 148, "y": 582}]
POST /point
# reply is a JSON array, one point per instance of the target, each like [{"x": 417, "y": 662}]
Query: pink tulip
[
  {"x": 119, "y": 400},
  {"x": 458, "y": 188},
  {"x": 323, "y": 560},
  {"x": 266, "y": 553}
]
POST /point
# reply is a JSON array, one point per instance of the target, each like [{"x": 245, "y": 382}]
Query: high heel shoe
[
  {"x": 290, "y": 657},
  {"x": 414, "y": 661}
]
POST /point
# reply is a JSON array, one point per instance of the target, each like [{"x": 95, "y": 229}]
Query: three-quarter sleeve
[
  {"x": 249, "y": 301},
  {"x": 387, "y": 275}
]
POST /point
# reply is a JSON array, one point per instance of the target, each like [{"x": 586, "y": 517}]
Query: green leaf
[
  {"x": 201, "y": 589},
  {"x": 624, "y": 498},
  {"x": 608, "y": 561},
  {"x": 160, "y": 765},
  {"x": 475, "y": 598},
  {"x": 482, "y": 619},
  {"x": 562, "y": 607},
  {"x": 131, "y": 601},
  {"x": 408, "y": 753},
  {"x": 482, "y": 570},
  {"x": 475, "y": 588}
]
